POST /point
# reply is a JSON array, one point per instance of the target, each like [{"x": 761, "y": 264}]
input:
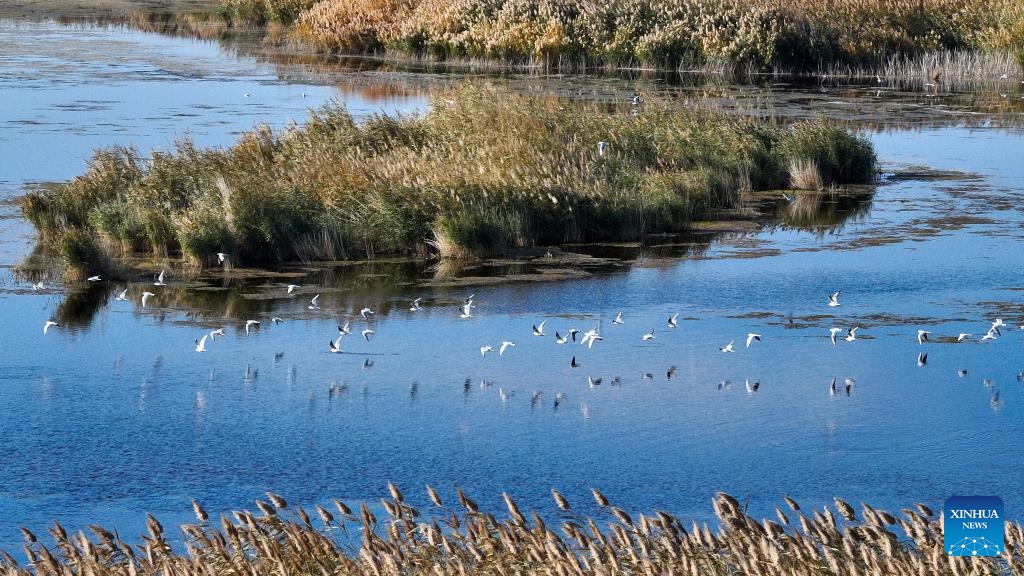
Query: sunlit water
[{"x": 115, "y": 414}]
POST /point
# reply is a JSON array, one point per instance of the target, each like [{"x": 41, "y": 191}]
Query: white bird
[
  {"x": 335, "y": 345},
  {"x": 342, "y": 330},
  {"x": 505, "y": 346},
  {"x": 38, "y": 286},
  {"x": 538, "y": 329},
  {"x": 467, "y": 310},
  {"x": 46, "y": 327},
  {"x": 991, "y": 334},
  {"x": 249, "y": 324},
  {"x": 922, "y": 336},
  {"x": 122, "y": 296},
  {"x": 753, "y": 387},
  {"x": 832, "y": 332},
  {"x": 365, "y": 311},
  {"x": 145, "y": 297},
  {"x": 728, "y": 347},
  {"x": 201, "y": 343},
  {"x": 963, "y": 336},
  {"x": 559, "y": 339},
  {"x": 602, "y": 148},
  {"x": 415, "y": 305},
  {"x": 618, "y": 319},
  {"x": 672, "y": 320},
  {"x": 751, "y": 337},
  {"x": 93, "y": 279},
  {"x": 485, "y": 349},
  {"x": 312, "y": 303},
  {"x": 851, "y": 334},
  {"x": 922, "y": 359},
  {"x": 367, "y": 333},
  {"x": 648, "y": 336},
  {"x": 221, "y": 257},
  {"x": 276, "y": 320},
  {"x": 591, "y": 381},
  {"x": 160, "y": 280},
  {"x": 833, "y": 298},
  {"x": 832, "y": 388},
  {"x": 215, "y": 333},
  {"x": 589, "y": 337},
  {"x": 293, "y": 288}
]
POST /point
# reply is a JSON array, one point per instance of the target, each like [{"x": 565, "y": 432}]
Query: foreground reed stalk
[{"x": 462, "y": 539}]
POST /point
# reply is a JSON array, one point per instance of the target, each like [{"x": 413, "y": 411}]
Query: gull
[
  {"x": 215, "y": 333},
  {"x": 751, "y": 337},
  {"x": 366, "y": 311},
  {"x": 221, "y": 257},
  {"x": 312, "y": 303},
  {"x": 276, "y": 320},
  {"x": 591, "y": 381},
  {"x": 832, "y": 334},
  {"x": 648, "y": 336},
  {"x": 961, "y": 373},
  {"x": 559, "y": 339},
  {"x": 342, "y": 330},
  {"x": 123, "y": 296},
  {"x": 367, "y": 333},
  {"x": 728, "y": 347},
  {"x": 201, "y": 344},
  {"x": 467, "y": 310},
  {"x": 922, "y": 359},
  {"x": 249, "y": 324},
  {"x": 672, "y": 320},
  {"x": 589, "y": 337},
  {"x": 849, "y": 385},
  {"x": 832, "y": 387},
  {"x": 538, "y": 329},
  {"x": 753, "y": 387},
  {"x": 963, "y": 336},
  {"x": 572, "y": 333},
  {"x": 618, "y": 319},
  {"x": 292, "y": 288},
  {"x": 991, "y": 334},
  {"x": 851, "y": 334},
  {"x": 648, "y": 376},
  {"x": 573, "y": 363},
  {"x": 558, "y": 398},
  {"x": 536, "y": 397},
  {"x": 635, "y": 100},
  {"x": 335, "y": 345},
  {"x": 922, "y": 336},
  {"x": 468, "y": 299},
  {"x": 415, "y": 305},
  {"x": 602, "y": 148},
  {"x": 93, "y": 279},
  {"x": 160, "y": 280},
  {"x": 46, "y": 327},
  {"x": 833, "y": 298},
  {"x": 145, "y": 297},
  {"x": 38, "y": 286},
  {"x": 485, "y": 349},
  {"x": 505, "y": 346}
]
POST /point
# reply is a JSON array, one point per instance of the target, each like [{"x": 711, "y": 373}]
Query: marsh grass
[
  {"x": 481, "y": 172},
  {"x": 459, "y": 537},
  {"x": 728, "y": 35}
]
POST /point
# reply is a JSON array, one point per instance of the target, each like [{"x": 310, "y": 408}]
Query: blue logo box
[{"x": 973, "y": 526}]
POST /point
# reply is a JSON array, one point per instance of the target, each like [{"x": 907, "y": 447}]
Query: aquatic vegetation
[
  {"x": 807, "y": 36},
  {"x": 482, "y": 171},
  {"x": 261, "y": 12},
  {"x": 463, "y": 539}
]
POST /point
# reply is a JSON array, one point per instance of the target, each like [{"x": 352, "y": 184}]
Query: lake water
[{"x": 114, "y": 414}]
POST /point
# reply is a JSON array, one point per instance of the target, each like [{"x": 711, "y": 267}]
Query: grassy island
[
  {"x": 481, "y": 171},
  {"x": 751, "y": 35},
  {"x": 460, "y": 538}
]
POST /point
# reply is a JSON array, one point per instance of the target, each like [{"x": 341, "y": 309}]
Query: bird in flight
[
  {"x": 833, "y": 298},
  {"x": 505, "y": 346},
  {"x": 728, "y": 347},
  {"x": 251, "y": 324},
  {"x": 672, "y": 320},
  {"x": 201, "y": 343},
  {"x": 922, "y": 336},
  {"x": 46, "y": 327},
  {"x": 312, "y": 303},
  {"x": 751, "y": 337},
  {"x": 145, "y": 298},
  {"x": 538, "y": 329}
]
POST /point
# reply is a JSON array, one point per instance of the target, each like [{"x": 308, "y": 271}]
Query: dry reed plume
[
  {"x": 463, "y": 539},
  {"x": 805, "y": 35}
]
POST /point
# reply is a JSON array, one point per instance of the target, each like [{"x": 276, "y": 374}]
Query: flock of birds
[{"x": 586, "y": 338}]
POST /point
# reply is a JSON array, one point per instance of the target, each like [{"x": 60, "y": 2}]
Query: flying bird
[
  {"x": 367, "y": 333},
  {"x": 215, "y": 333},
  {"x": 312, "y": 303},
  {"x": 832, "y": 332},
  {"x": 145, "y": 298},
  {"x": 751, "y": 337},
  {"x": 342, "y": 330},
  {"x": 201, "y": 343},
  {"x": 618, "y": 319},
  {"x": 467, "y": 310},
  {"x": 93, "y": 279},
  {"x": 538, "y": 329},
  {"x": 335, "y": 345},
  {"x": 672, "y": 320},
  {"x": 559, "y": 339},
  {"x": 250, "y": 324},
  {"x": 160, "y": 280},
  {"x": 46, "y": 327},
  {"x": 963, "y": 336},
  {"x": 922, "y": 336},
  {"x": 505, "y": 346},
  {"x": 485, "y": 349},
  {"x": 648, "y": 336},
  {"x": 277, "y": 320},
  {"x": 292, "y": 288},
  {"x": 833, "y": 298},
  {"x": 221, "y": 257},
  {"x": 415, "y": 305},
  {"x": 728, "y": 347},
  {"x": 753, "y": 387},
  {"x": 851, "y": 334},
  {"x": 123, "y": 296},
  {"x": 366, "y": 311}
]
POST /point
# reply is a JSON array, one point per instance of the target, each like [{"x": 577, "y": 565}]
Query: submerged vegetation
[
  {"x": 760, "y": 35},
  {"x": 480, "y": 172},
  {"x": 462, "y": 539}
]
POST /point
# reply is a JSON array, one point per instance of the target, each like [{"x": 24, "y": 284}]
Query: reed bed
[
  {"x": 482, "y": 171},
  {"x": 463, "y": 539},
  {"x": 803, "y": 35}
]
